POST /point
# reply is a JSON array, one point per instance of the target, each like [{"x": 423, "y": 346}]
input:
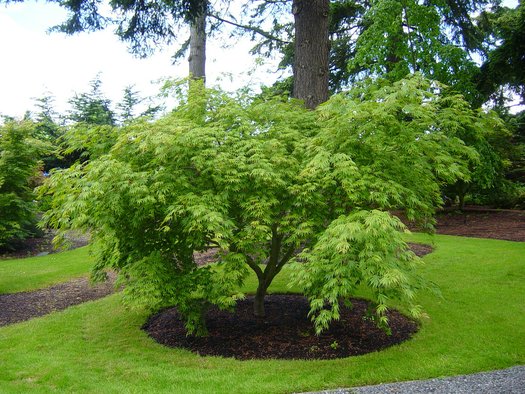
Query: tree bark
[
  {"x": 311, "y": 51},
  {"x": 197, "y": 57},
  {"x": 258, "y": 302}
]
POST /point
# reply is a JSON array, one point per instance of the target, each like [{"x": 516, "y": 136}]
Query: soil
[
  {"x": 43, "y": 245},
  {"x": 17, "y": 307},
  {"x": 286, "y": 332},
  {"x": 483, "y": 223}
]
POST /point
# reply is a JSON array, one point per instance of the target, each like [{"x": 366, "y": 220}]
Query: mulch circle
[{"x": 285, "y": 333}]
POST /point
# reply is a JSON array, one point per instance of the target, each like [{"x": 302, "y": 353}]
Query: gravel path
[{"x": 505, "y": 381}]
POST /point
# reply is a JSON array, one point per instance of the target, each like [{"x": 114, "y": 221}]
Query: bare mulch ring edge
[{"x": 285, "y": 333}]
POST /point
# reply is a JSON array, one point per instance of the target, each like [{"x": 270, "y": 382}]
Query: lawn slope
[
  {"x": 478, "y": 325},
  {"x": 38, "y": 272}
]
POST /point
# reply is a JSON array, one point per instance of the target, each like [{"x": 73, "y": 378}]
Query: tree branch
[
  {"x": 253, "y": 265},
  {"x": 254, "y": 29},
  {"x": 286, "y": 257}
]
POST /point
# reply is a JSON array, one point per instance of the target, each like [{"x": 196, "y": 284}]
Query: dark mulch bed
[
  {"x": 483, "y": 223},
  {"x": 42, "y": 245},
  {"x": 285, "y": 333},
  {"x": 18, "y": 307},
  {"x": 419, "y": 249}
]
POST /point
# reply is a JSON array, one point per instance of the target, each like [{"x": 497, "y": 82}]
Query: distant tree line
[{"x": 44, "y": 140}]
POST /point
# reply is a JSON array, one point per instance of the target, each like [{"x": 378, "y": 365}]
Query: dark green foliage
[
  {"x": 19, "y": 167},
  {"x": 517, "y": 171},
  {"x": 502, "y": 166},
  {"x": 92, "y": 129},
  {"x": 48, "y": 129},
  {"x": 92, "y": 108},
  {"x": 435, "y": 38},
  {"x": 505, "y": 66},
  {"x": 264, "y": 180},
  {"x": 143, "y": 24},
  {"x": 490, "y": 139}
]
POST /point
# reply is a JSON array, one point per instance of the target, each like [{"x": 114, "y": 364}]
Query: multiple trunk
[
  {"x": 279, "y": 256},
  {"x": 311, "y": 60}
]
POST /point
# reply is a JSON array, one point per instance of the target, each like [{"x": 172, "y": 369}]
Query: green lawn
[
  {"x": 38, "y": 272},
  {"x": 478, "y": 325}
]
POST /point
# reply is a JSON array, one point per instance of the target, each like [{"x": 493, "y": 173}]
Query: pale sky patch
[{"x": 35, "y": 62}]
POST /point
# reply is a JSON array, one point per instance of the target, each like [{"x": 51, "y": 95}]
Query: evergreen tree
[
  {"x": 48, "y": 129},
  {"x": 92, "y": 107},
  {"x": 20, "y": 164},
  {"x": 128, "y": 106},
  {"x": 504, "y": 70},
  {"x": 91, "y": 125}
]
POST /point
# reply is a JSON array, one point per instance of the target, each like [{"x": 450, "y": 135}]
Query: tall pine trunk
[
  {"x": 197, "y": 57},
  {"x": 197, "y": 62},
  {"x": 311, "y": 51}
]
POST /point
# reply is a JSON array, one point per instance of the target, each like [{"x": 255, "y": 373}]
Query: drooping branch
[{"x": 254, "y": 29}]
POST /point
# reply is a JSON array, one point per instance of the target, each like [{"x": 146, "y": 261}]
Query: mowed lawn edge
[
  {"x": 33, "y": 273},
  {"x": 477, "y": 325}
]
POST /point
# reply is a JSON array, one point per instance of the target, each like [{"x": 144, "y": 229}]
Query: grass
[
  {"x": 478, "y": 325},
  {"x": 38, "y": 272}
]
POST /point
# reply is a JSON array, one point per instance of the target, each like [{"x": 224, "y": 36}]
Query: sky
[{"x": 34, "y": 63}]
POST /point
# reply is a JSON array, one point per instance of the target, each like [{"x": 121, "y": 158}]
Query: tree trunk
[
  {"x": 311, "y": 51},
  {"x": 197, "y": 58},
  {"x": 258, "y": 302},
  {"x": 197, "y": 62}
]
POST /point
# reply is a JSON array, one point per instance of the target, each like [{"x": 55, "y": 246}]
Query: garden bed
[{"x": 242, "y": 336}]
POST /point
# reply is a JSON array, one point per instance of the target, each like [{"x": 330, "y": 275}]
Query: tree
[
  {"x": 19, "y": 165},
  {"x": 128, "y": 106},
  {"x": 47, "y": 119},
  {"x": 269, "y": 182},
  {"x": 91, "y": 131},
  {"x": 435, "y": 38},
  {"x": 390, "y": 37},
  {"x": 490, "y": 140},
  {"x": 48, "y": 129},
  {"x": 92, "y": 108}
]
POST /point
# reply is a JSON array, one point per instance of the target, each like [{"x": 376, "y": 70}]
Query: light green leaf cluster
[
  {"x": 88, "y": 141},
  {"x": 263, "y": 180},
  {"x": 391, "y": 147},
  {"x": 363, "y": 248}
]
